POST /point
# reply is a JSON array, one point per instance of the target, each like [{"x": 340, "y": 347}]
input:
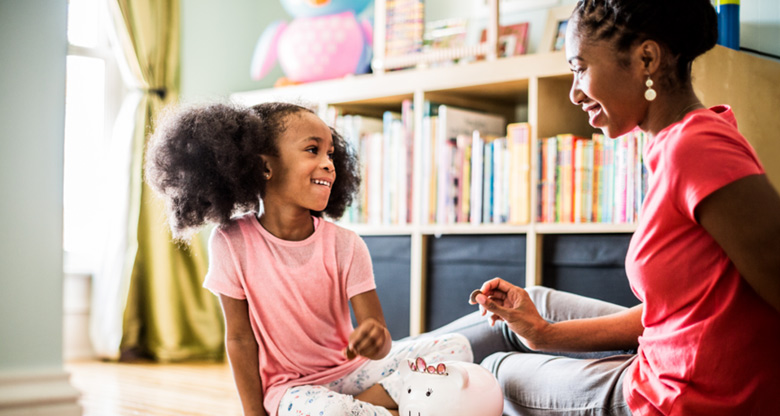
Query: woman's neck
[
  {"x": 669, "y": 109},
  {"x": 287, "y": 225}
]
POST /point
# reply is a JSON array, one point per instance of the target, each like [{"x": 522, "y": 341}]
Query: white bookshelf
[{"x": 532, "y": 88}]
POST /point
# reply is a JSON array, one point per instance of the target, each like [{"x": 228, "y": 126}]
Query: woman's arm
[
  {"x": 242, "y": 353},
  {"x": 619, "y": 331},
  {"x": 513, "y": 305},
  {"x": 744, "y": 218},
  {"x": 371, "y": 338}
]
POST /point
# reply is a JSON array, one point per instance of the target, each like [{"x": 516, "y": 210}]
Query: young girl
[{"x": 284, "y": 275}]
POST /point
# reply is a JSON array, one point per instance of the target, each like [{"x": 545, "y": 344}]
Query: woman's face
[{"x": 611, "y": 92}]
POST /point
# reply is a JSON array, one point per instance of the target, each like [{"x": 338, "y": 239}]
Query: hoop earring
[{"x": 650, "y": 93}]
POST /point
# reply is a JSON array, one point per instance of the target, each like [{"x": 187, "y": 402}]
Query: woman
[{"x": 704, "y": 260}]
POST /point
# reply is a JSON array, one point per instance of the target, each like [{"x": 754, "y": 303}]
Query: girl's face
[
  {"x": 303, "y": 173},
  {"x": 610, "y": 92}
]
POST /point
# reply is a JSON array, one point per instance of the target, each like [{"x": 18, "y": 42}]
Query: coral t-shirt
[
  {"x": 710, "y": 344},
  {"x": 298, "y": 295}
]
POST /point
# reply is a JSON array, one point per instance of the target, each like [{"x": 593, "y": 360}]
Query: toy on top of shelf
[
  {"x": 451, "y": 388},
  {"x": 325, "y": 40}
]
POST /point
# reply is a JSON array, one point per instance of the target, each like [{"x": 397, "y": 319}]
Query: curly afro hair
[{"x": 205, "y": 162}]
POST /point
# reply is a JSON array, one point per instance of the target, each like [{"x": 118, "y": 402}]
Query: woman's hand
[
  {"x": 368, "y": 339},
  {"x": 513, "y": 305}
]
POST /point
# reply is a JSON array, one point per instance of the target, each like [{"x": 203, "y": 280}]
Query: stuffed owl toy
[{"x": 325, "y": 40}]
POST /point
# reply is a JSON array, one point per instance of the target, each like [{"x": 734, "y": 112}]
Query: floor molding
[{"x": 39, "y": 393}]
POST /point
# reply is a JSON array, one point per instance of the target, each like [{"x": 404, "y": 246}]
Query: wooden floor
[{"x": 124, "y": 389}]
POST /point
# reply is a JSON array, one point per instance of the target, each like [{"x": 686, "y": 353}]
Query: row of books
[
  {"x": 591, "y": 179},
  {"x": 385, "y": 151},
  {"x": 476, "y": 169},
  {"x": 405, "y": 26}
]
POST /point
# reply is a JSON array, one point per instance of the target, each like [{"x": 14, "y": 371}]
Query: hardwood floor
[{"x": 133, "y": 389}]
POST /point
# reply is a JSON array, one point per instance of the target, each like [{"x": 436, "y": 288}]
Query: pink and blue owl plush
[{"x": 324, "y": 41}]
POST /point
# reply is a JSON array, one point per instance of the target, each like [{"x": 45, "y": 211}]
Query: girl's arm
[
  {"x": 513, "y": 305},
  {"x": 744, "y": 218},
  {"x": 242, "y": 353},
  {"x": 371, "y": 339}
]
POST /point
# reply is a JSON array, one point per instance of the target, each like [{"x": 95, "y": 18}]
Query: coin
[
  {"x": 349, "y": 353},
  {"x": 473, "y": 297}
]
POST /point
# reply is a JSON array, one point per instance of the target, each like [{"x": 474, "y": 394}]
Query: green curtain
[{"x": 168, "y": 316}]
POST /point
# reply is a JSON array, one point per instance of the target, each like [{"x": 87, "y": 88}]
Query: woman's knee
[
  {"x": 453, "y": 346},
  {"x": 493, "y": 361},
  {"x": 538, "y": 293}
]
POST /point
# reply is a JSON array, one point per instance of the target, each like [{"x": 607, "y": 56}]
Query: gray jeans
[{"x": 549, "y": 384}]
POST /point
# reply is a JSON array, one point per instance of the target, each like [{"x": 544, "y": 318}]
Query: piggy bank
[{"x": 451, "y": 388}]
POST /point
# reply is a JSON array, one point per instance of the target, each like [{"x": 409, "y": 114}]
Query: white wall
[
  {"x": 32, "y": 114},
  {"x": 760, "y": 25},
  {"x": 217, "y": 41}
]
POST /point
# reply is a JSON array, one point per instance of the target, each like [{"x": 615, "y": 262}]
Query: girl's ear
[{"x": 267, "y": 169}]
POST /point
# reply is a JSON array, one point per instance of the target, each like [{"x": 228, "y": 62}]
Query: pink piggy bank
[{"x": 450, "y": 388}]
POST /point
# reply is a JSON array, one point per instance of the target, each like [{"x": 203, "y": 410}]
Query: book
[
  {"x": 487, "y": 181},
  {"x": 499, "y": 149},
  {"x": 463, "y": 178},
  {"x": 407, "y": 162},
  {"x": 583, "y": 180},
  {"x": 519, "y": 143},
  {"x": 598, "y": 178},
  {"x": 550, "y": 178},
  {"x": 430, "y": 162},
  {"x": 477, "y": 172}
]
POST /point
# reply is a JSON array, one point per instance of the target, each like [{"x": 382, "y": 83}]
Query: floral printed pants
[{"x": 337, "y": 397}]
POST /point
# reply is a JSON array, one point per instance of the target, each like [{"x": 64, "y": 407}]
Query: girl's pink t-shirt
[
  {"x": 298, "y": 295},
  {"x": 710, "y": 344}
]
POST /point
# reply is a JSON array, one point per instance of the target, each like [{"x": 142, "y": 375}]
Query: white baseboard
[{"x": 38, "y": 393}]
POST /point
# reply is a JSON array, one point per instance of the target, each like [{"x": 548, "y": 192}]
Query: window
[{"x": 94, "y": 91}]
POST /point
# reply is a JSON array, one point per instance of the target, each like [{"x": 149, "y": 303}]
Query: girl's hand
[
  {"x": 369, "y": 340},
  {"x": 513, "y": 305}
]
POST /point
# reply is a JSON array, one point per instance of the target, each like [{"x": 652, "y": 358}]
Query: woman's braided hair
[{"x": 687, "y": 28}]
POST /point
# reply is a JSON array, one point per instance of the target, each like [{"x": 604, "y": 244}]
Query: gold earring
[{"x": 650, "y": 93}]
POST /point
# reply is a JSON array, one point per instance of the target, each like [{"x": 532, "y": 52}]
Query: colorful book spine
[
  {"x": 519, "y": 139},
  {"x": 477, "y": 172}
]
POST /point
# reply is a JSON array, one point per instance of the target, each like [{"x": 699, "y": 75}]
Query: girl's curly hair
[{"x": 205, "y": 162}]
